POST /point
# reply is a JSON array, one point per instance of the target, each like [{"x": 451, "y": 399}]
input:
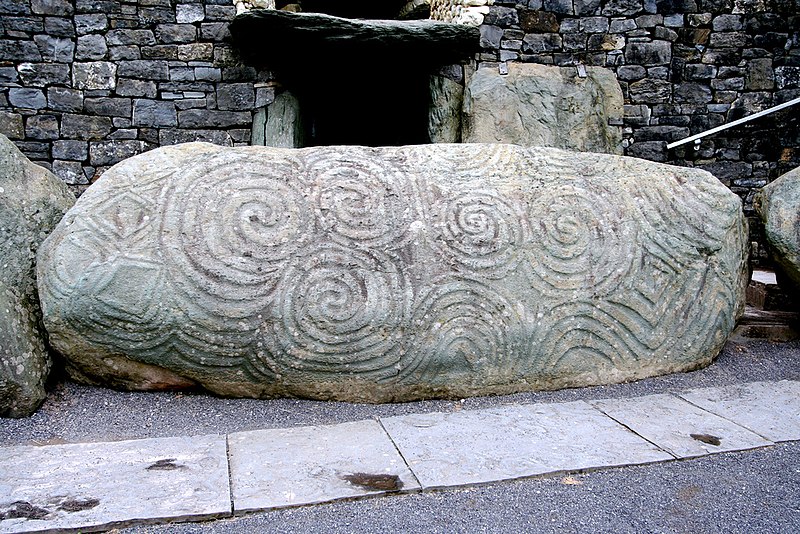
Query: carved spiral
[
  {"x": 462, "y": 327},
  {"x": 340, "y": 311},
  {"x": 464, "y": 163},
  {"x": 583, "y": 240},
  {"x": 229, "y": 230},
  {"x": 363, "y": 200},
  {"x": 481, "y": 231}
]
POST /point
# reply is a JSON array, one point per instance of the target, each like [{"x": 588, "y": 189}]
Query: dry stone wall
[{"x": 87, "y": 83}]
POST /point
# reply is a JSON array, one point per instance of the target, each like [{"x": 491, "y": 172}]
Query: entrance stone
[{"x": 393, "y": 273}]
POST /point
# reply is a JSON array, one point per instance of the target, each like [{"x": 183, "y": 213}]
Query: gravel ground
[
  {"x": 750, "y": 492},
  {"x": 75, "y": 413}
]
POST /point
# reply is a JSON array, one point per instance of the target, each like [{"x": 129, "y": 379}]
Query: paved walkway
[{"x": 93, "y": 485}]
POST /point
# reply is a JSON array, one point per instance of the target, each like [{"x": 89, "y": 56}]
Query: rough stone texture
[
  {"x": 32, "y": 201},
  {"x": 778, "y": 205},
  {"x": 544, "y": 106},
  {"x": 391, "y": 274},
  {"x": 444, "y": 114}
]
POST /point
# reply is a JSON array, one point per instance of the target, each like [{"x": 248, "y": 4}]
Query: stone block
[
  {"x": 43, "y": 127},
  {"x": 59, "y": 26},
  {"x": 106, "y": 153},
  {"x": 649, "y": 150},
  {"x": 154, "y": 113},
  {"x": 155, "y": 70},
  {"x": 84, "y": 127},
  {"x": 70, "y": 172},
  {"x": 235, "y": 96},
  {"x": 538, "y": 22},
  {"x": 727, "y": 23},
  {"x": 43, "y": 74},
  {"x": 32, "y": 201},
  {"x": 188, "y": 13},
  {"x": 562, "y": 7},
  {"x": 652, "y": 53},
  {"x": 196, "y": 52},
  {"x": 129, "y": 52},
  {"x": 594, "y": 24},
  {"x": 64, "y": 99},
  {"x": 648, "y": 91},
  {"x": 13, "y": 51},
  {"x": 172, "y": 136},
  {"x": 214, "y": 31},
  {"x": 728, "y": 40},
  {"x": 541, "y": 43},
  {"x": 27, "y": 98},
  {"x": 616, "y": 8},
  {"x": 759, "y": 75},
  {"x": 94, "y": 75},
  {"x": 70, "y": 150},
  {"x": 52, "y": 7},
  {"x": 491, "y": 37},
  {"x": 478, "y": 269},
  {"x": 196, "y": 118},
  {"x": 586, "y": 7},
  {"x": 176, "y": 33},
  {"x": 90, "y": 23},
  {"x": 92, "y": 47},
  {"x": 11, "y": 125},
  {"x": 109, "y": 106},
  {"x": 56, "y": 49},
  {"x": 692, "y": 93},
  {"x": 126, "y": 36}
]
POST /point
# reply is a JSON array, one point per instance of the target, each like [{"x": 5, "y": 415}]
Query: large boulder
[
  {"x": 778, "y": 205},
  {"x": 542, "y": 105},
  {"x": 32, "y": 201},
  {"x": 388, "y": 274}
]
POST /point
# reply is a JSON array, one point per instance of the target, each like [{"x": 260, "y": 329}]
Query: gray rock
[
  {"x": 280, "y": 124},
  {"x": 444, "y": 114},
  {"x": 32, "y": 201},
  {"x": 94, "y": 75},
  {"x": 23, "y": 97},
  {"x": 110, "y": 152},
  {"x": 778, "y": 205},
  {"x": 544, "y": 106},
  {"x": 64, "y": 99},
  {"x": 43, "y": 74},
  {"x": 235, "y": 96},
  {"x": 154, "y": 113},
  {"x": 85, "y": 127},
  {"x": 41, "y": 127},
  {"x": 395, "y": 273},
  {"x": 92, "y": 47},
  {"x": 11, "y": 125},
  {"x": 55, "y": 48}
]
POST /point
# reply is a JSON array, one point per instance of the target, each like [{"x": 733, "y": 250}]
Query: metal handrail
[{"x": 737, "y": 122}]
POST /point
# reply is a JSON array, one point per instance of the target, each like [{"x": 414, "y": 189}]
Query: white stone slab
[
  {"x": 770, "y": 409},
  {"x": 765, "y": 277},
  {"x": 116, "y": 482},
  {"x": 669, "y": 422},
  {"x": 294, "y": 466},
  {"x": 514, "y": 441}
]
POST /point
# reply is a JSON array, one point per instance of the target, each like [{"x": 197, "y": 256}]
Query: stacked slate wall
[{"x": 86, "y": 83}]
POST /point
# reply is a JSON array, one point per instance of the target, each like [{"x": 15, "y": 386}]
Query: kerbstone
[
  {"x": 475, "y": 269},
  {"x": 544, "y": 106},
  {"x": 778, "y": 205},
  {"x": 32, "y": 201},
  {"x": 99, "y": 485}
]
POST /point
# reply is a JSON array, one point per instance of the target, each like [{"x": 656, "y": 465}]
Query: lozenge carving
[{"x": 397, "y": 273}]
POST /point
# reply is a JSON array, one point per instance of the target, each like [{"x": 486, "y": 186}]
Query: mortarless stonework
[{"x": 386, "y": 274}]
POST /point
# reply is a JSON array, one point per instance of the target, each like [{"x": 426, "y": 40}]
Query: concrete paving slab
[
  {"x": 98, "y": 485},
  {"x": 305, "y": 465},
  {"x": 481, "y": 446},
  {"x": 679, "y": 427},
  {"x": 770, "y": 409}
]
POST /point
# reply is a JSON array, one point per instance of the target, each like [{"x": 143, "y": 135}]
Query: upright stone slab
[
  {"x": 396, "y": 273},
  {"x": 32, "y": 201},
  {"x": 778, "y": 205},
  {"x": 542, "y": 105}
]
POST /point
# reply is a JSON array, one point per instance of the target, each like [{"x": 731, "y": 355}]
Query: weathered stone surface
[
  {"x": 778, "y": 205},
  {"x": 317, "y": 38},
  {"x": 444, "y": 113},
  {"x": 544, "y": 106},
  {"x": 32, "y": 201},
  {"x": 392, "y": 273}
]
